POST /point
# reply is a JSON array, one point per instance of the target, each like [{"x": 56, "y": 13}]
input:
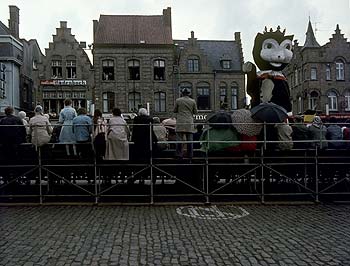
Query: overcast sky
[{"x": 210, "y": 20}]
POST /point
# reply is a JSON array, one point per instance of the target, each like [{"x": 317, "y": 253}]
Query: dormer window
[
  {"x": 193, "y": 64},
  {"x": 226, "y": 64}
]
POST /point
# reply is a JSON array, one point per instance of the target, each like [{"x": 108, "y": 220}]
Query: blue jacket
[{"x": 82, "y": 127}]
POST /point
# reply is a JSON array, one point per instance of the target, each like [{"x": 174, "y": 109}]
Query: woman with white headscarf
[{"x": 40, "y": 128}]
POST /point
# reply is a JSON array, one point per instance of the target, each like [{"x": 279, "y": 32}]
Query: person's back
[
  {"x": 12, "y": 129},
  {"x": 334, "y": 132},
  {"x": 82, "y": 127},
  {"x": 300, "y": 133},
  {"x": 318, "y": 133},
  {"x": 40, "y": 128}
]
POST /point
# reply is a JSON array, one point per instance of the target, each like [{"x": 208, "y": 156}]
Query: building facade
[
  {"x": 319, "y": 76},
  {"x": 64, "y": 72},
  {"x": 137, "y": 63},
  {"x": 11, "y": 60},
  {"x": 212, "y": 71}
]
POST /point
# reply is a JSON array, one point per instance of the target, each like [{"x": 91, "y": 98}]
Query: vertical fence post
[
  {"x": 40, "y": 167},
  {"x": 206, "y": 180},
  {"x": 316, "y": 176},
  {"x": 95, "y": 172},
  {"x": 262, "y": 172},
  {"x": 151, "y": 162}
]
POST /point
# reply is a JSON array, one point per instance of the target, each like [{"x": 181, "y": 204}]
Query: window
[
  {"x": 313, "y": 74},
  {"x": 159, "y": 102},
  {"x": 339, "y": 69},
  {"x": 52, "y": 95},
  {"x": 108, "y": 102},
  {"x": 313, "y": 99},
  {"x": 75, "y": 95},
  {"x": 332, "y": 101},
  {"x": 223, "y": 96},
  {"x": 159, "y": 70},
  {"x": 226, "y": 64},
  {"x": 107, "y": 70},
  {"x": 234, "y": 97},
  {"x": 134, "y": 69},
  {"x": 347, "y": 100},
  {"x": 134, "y": 101},
  {"x": 71, "y": 67},
  {"x": 203, "y": 98},
  {"x": 193, "y": 64},
  {"x": 60, "y": 95},
  {"x": 328, "y": 72},
  {"x": 56, "y": 68},
  {"x": 82, "y": 95}
]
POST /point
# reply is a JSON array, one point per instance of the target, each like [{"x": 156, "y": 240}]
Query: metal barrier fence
[{"x": 46, "y": 175}]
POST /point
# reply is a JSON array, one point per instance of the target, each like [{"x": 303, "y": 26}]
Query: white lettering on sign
[
  {"x": 200, "y": 117},
  {"x": 213, "y": 212},
  {"x": 63, "y": 82}
]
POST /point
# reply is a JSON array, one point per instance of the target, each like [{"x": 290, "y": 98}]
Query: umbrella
[
  {"x": 220, "y": 117},
  {"x": 244, "y": 123},
  {"x": 269, "y": 113}
]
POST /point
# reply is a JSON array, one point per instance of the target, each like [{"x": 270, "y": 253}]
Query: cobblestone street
[{"x": 174, "y": 235}]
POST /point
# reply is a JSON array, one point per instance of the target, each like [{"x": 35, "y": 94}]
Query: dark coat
[
  {"x": 334, "y": 132},
  {"x": 12, "y": 134},
  {"x": 141, "y": 137},
  {"x": 301, "y": 133}
]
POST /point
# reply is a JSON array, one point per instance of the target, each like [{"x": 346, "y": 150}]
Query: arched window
[
  {"x": 134, "y": 101},
  {"x": 332, "y": 101},
  {"x": 134, "y": 69},
  {"x": 234, "y": 96},
  {"x": 159, "y": 69},
  {"x": 203, "y": 96},
  {"x": 223, "y": 95},
  {"x": 108, "y": 102},
  {"x": 193, "y": 64},
  {"x": 107, "y": 69},
  {"x": 313, "y": 100},
  {"x": 347, "y": 100},
  {"x": 160, "y": 102},
  {"x": 339, "y": 70}
]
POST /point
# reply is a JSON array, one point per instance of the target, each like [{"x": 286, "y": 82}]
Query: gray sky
[{"x": 210, "y": 20}]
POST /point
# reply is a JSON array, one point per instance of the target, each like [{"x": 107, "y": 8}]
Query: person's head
[
  {"x": 185, "y": 92},
  {"x": 38, "y": 109},
  {"x": 97, "y": 113},
  {"x": 22, "y": 114},
  {"x": 81, "y": 111},
  {"x": 156, "y": 120},
  {"x": 142, "y": 111},
  {"x": 9, "y": 110},
  {"x": 67, "y": 102},
  {"x": 116, "y": 112}
]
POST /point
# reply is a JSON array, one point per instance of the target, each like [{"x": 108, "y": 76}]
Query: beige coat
[
  {"x": 40, "y": 130},
  {"x": 185, "y": 108},
  {"x": 117, "y": 139}
]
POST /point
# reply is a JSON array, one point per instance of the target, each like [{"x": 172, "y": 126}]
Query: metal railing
[{"x": 45, "y": 175}]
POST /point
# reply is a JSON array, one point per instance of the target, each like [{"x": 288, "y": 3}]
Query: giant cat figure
[{"x": 272, "y": 52}]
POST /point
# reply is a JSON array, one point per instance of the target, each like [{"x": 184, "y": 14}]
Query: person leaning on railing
[{"x": 12, "y": 133}]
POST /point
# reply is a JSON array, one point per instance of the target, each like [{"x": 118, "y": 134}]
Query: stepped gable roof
[
  {"x": 132, "y": 29},
  {"x": 310, "y": 40}
]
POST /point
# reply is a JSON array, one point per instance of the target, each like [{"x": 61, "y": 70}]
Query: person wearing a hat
[
  {"x": 40, "y": 128},
  {"x": 318, "y": 133},
  {"x": 185, "y": 108}
]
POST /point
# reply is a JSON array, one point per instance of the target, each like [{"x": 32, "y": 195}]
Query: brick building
[
  {"x": 65, "y": 72},
  {"x": 137, "y": 63},
  {"x": 319, "y": 75}
]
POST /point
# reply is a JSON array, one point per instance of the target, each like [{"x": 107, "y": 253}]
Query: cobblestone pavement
[{"x": 142, "y": 235}]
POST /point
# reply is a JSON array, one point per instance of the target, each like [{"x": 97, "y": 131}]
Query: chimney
[
  {"x": 192, "y": 34},
  {"x": 63, "y": 24},
  {"x": 167, "y": 16},
  {"x": 237, "y": 36},
  {"x": 14, "y": 21},
  {"x": 95, "y": 25}
]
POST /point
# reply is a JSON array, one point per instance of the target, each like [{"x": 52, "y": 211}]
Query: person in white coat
[{"x": 40, "y": 128}]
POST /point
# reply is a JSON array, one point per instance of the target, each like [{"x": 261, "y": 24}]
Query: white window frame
[
  {"x": 332, "y": 101},
  {"x": 313, "y": 73},
  {"x": 339, "y": 70}
]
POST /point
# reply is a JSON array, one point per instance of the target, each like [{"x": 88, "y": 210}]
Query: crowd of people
[{"x": 109, "y": 139}]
